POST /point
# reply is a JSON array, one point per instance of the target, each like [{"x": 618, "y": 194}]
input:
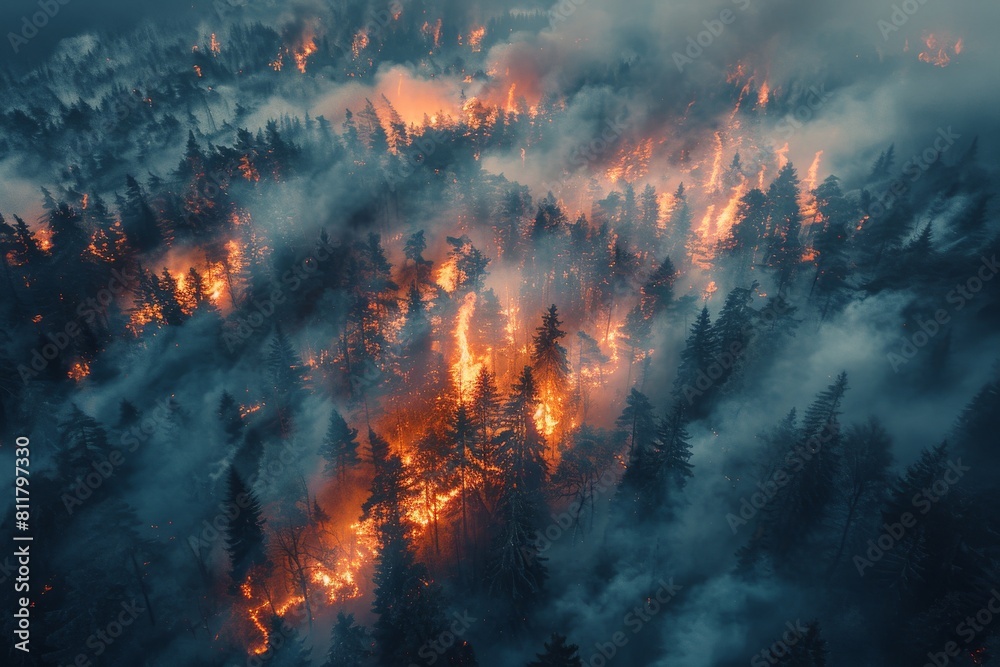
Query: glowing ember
[
  {"x": 632, "y": 162},
  {"x": 938, "y": 47},
  {"x": 764, "y": 94},
  {"x": 79, "y": 370},
  {"x": 476, "y": 38},
  {"x": 44, "y": 236},
  {"x": 359, "y": 43},
  {"x": 248, "y": 170},
  {"x": 302, "y": 54}
]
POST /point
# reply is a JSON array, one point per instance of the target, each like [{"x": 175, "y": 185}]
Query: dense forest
[{"x": 348, "y": 334}]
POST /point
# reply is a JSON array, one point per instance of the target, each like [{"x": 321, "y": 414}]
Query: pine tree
[
  {"x": 674, "y": 451},
  {"x": 284, "y": 646},
  {"x": 784, "y": 225},
  {"x": 974, "y": 433},
  {"x": 462, "y": 436},
  {"x": 285, "y": 373},
  {"x": 170, "y": 306},
  {"x": 808, "y": 651},
  {"x": 864, "y": 472},
  {"x": 658, "y": 292},
  {"x": 138, "y": 220},
  {"x": 84, "y": 443},
  {"x": 883, "y": 165},
  {"x": 548, "y": 356},
  {"x": 693, "y": 385},
  {"x": 549, "y": 220},
  {"x": 245, "y": 540},
  {"x": 800, "y": 505},
  {"x": 679, "y": 226},
  {"x": 831, "y": 244},
  {"x": 350, "y": 645},
  {"x": 414, "y": 248},
  {"x": 748, "y": 232},
  {"x": 486, "y": 415},
  {"x": 516, "y": 572},
  {"x": 637, "y": 423},
  {"x": 523, "y": 446},
  {"x": 340, "y": 447},
  {"x": 404, "y": 600},
  {"x": 558, "y": 653},
  {"x": 648, "y": 227},
  {"x": 470, "y": 264},
  {"x": 734, "y": 329}
]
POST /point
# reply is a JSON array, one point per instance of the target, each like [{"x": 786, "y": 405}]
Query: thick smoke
[{"x": 607, "y": 94}]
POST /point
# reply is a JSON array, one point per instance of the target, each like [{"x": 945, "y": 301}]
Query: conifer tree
[
  {"x": 674, "y": 451},
  {"x": 245, "y": 540},
  {"x": 350, "y": 645},
  {"x": 340, "y": 447},
  {"x": 693, "y": 385},
  {"x": 558, "y": 653},
  {"x": 548, "y": 357},
  {"x": 679, "y": 229},
  {"x": 784, "y": 225}
]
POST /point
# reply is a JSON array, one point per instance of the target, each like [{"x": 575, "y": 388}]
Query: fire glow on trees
[
  {"x": 939, "y": 49},
  {"x": 473, "y": 348}
]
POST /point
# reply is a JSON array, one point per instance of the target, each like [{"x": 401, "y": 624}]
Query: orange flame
[
  {"x": 476, "y": 38},
  {"x": 938, "y": 47},
  {"x": 467, "y": 367},
  {"x": 79, "y": 370}
]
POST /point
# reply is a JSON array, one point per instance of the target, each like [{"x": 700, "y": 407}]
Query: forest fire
[
  {"x": 467, "y": 367},
  {"x": 79, "y": 370},
  {"x": 939, "y": 49},
  {"x": 427, "y": 310},
  {"x": 359, "y": 43},
  {"x": 476, "y": 38}
]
